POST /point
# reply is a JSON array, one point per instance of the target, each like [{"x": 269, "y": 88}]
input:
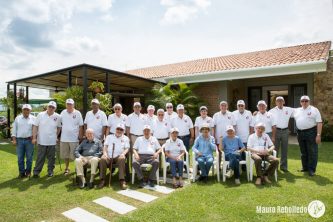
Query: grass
[{"x": 45, "y": 198}]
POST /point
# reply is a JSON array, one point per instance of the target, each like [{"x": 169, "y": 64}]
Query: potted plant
[{"x": 97, "y": 87}]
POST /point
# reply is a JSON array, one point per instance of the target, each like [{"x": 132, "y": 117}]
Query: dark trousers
[
  {"x": 281, "y": 140},
  {"x": 24, "y": 149},
  {"x": 42, "y": 153},
  {"x": 186, "y": 141},
  {"x": 309, "y": 148},
  {"x": 146, "y": 158}
]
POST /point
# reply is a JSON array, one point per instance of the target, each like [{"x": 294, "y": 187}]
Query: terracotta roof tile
[{"x": 279, "y": 56}]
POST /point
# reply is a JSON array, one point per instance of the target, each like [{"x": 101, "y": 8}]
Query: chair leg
[
  {"x": 194, "y": 172},
  {"x": 164, "y": 174},
  {"x": 133, "y": 175},
  {"x": 158, "y": 176}
]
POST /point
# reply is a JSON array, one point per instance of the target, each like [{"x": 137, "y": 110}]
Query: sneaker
[
  {"x": 151, "y": 183},
  {"x": 123, "y": 185},
  {"x": 50, "y": 174},
  {"x": 142, "y": 184},
  {"x": 66, "y": 172},
  {"x": 90, "y": 185},
  {"x": 82, "y": 183},
  {"x": 237, "y": 182},
  {"x": 21, "y": 176},
  {"x": 229, "y": 173},
  {"x": 205, "y": 180},
  {"x": 311, "y": 173},
  {"x": 101, "y": 184},
  {"x": 28, "y": 174}
]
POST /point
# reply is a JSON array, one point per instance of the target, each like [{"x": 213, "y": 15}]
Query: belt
[
  {"x": 25, "y": 138},
  {"x": 164, "y": 139},
  {"x": 305, "y": 130},
  {"x": 282, "y": 128},
  {"x": 182, "y": 137},
  {"x": 135, "y": 135}
]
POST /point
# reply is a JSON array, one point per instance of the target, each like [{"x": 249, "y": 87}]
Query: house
[{"x": 289, "y": 71}]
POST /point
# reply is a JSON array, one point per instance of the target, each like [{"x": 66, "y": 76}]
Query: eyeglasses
[
  {"x": 51, "y": 107},
  {"x": 304, "y": 101},
  {"x": 169, "y": 107},
  {"x": 119, "y": 129},
  {"x": 160, "y": 114},
  {"x": 117, "y": 109},
  {"x": 240, "y": 105}
]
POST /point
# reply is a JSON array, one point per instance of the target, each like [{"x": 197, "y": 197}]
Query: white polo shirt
[
  {"x": 47, "y": 128},
  {"x": 114, "y": 120},
  {"x": 307, "y": 118},
  {"x": 199, "y": 121},
  {"x": 259, "y": 143},
  {"x": 174, "y": 147},
  {"x": 170, "y": 117},
  {"x": 71, "y": 123},
  {"x": 22, "y": 127},
  {"x": 146, "y": 146},
  {"x": 243, "y": 124},
  {"x": 150, "y": 120},
  {"x": 120, "y": 144},
  {"x": 161, "y": 129},
  {"x": 183, "y": 124},
  {"x": 135, "y": 123},
  {"x": 221, "y": 121},
  {"x": 267, "y": 118},
  {"x": 96, "y": 122},
  {"x": 282, "y": 116}
]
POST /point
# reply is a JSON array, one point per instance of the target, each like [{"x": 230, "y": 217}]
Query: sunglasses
[
  {"x": 119, "y": 129},
  {"x": 117, "y": 109},
  {"x": 304, "y": 101},
  {"x": 51, "y": 107},
  {"x": 160, "y": 114},
  {"x": 169, "y": 107}
]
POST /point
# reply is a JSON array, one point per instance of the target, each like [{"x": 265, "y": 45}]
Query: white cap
[
  {"x": 223, "y": 102},
  {"x": 146, "y": 127},
  {"x": 205, "y": 125},
  {"x": 168, "y": 104},
  {"x": 180, "y": 106},
  {"x": 260, "y": 125},
  {"x": 203, "y": 107},
  {"x": 95, "y": 101},
  {"x": 121, "y": 126},
  {"x": 262, "y": 102},
  {"x": 230, "y": 127},
  {"x": 137, "y": 104},
  {"x": 305, "y": 97},
  {"x": 279, "y": 98},
  {"x": 240, "y": 102},
  {"x": 52, "y": 103},
  {"x": 69, "y": 101},
  {"x": 174, "y": 129},
  {"x": 151, "y": 107},
  {"x": 117, "y": 105},
  {"x": 26, "y": 106},
  {"x": 160, "y": 111}
]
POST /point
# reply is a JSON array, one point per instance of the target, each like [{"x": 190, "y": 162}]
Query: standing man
[
  {"x": 22, "y": 136},
  {"x": 135, "y": 123},
  {"x": 161, "y": 128},
  {"x": 151, "y": 117},
  {"x": 45, "y": 132},
  {"x": 146, "y": 149},
  {"x": 185, "y": 126},
  {"x": 71, "y": 132},
  {"x": 203, "y": 118},
  {"x": 121, "y": 147},
  {"x": 309, "y": 125},
  {"x": 266, "y": 118},
  {"x": 96, "y": 120},
  {"x": 115, "y": 119},
  {"x": 282, "y": 115},
  {"x": 169, "y": 114}
]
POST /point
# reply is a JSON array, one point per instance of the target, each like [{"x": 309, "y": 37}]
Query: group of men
[{"x": 99, "y": 141}]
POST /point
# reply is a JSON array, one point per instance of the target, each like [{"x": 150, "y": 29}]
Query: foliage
[
  {"x": 105, "y": 102},
  {"x": 96, "y": 84},
  {"x": 327, "y": 132},
  {"x": 180, "y": 93},
  {"x": 8, "y": 102}
]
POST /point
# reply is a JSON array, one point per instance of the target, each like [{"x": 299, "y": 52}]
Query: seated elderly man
[
  {"x": 88, "y": 152},
  {"x": 121, "y": 145},
  {"x": 204, "y": 146},
  {"x": 146, "y": 149},
  {"x": 260, "y": 145},
  {"x": 233, "y": 147}
]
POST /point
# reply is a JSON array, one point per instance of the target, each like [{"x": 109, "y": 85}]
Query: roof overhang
[{"x": 257, "y": 72}]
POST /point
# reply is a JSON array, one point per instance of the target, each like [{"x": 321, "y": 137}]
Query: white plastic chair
[
  {"x": 167, "y": 164},
  {"x": 215, "y": 165},
  {"x": 145, "y": 165},
  {"x": 252, "y": 163},
  {"x": 225, "y": 165}
]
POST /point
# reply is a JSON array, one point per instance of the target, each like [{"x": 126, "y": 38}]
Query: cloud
[{"x": 179, "y": 12}]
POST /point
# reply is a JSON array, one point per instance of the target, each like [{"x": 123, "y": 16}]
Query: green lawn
[{"x": 46, "y": 198}]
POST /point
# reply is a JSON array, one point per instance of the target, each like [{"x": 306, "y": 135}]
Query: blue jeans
[
  {"x": 24, "y": 148},
  {"x": 233, "y": 159},
  {"x": 174, "y": 164},
  {"x": 205, "y": 163}
]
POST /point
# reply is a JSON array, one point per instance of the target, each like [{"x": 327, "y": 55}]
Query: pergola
[{"x": 120, "y": 85}]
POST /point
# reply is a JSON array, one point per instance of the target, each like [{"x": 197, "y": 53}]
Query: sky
[{"x": 37, "y": 36}]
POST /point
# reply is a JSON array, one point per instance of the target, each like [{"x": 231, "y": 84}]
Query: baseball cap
[
  {"x": 230, "y": 127},
  {"x": 168, "y": 104},
  {"x": 137, "y": 104},
  {"x": 121, "y": 126},
  {"x": 146, "y": 127},
  {"x": 26, "y": 106},
  {"x": 203, "y": 107},
  {"x": 305, "y": 97},
  {"x": 69, "y": 101},
  {"x": 260, "y": 125},
  {"x": 223, "y": 102},
  {"x": 279, "y": 98},
  {"x": 262, "y": 102},
  {"x": 151, "y": 107},
  {"x": 240, "y": 102},
  {"x": 117, "y": 105},
  {"x": 180, "y": 106},
  {"x": 174, "y": 129},
  {"x": 160, "y": 111},
  {"x": 204, "y": 126},
  {"x": 95, "y": 101},
  {"x": 52, "y": 103}
]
